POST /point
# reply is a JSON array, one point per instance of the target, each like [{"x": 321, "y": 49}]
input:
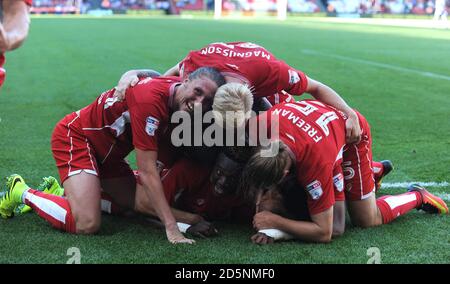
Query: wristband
[
  {"x": 276, "y": 234},
  {"x": 183, "y": 227}
]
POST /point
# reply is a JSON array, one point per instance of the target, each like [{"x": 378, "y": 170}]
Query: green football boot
[
  {"x": 49, "y": 185},
  {"x": 16, "y": 186}
]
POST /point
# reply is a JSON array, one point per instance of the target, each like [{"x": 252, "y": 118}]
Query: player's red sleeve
[
  {"x": 280, "y": 97},
  {"x": 146, "y": 119},
  {"x": 338, "y": 183},
  {"x": 188, "y": 65},
  {"x": 291, "y": 80},
  {"x": 28, "y": 2},
  {"x": 320, "y": 191}
]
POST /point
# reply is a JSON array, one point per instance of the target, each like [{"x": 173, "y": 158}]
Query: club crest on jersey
[
  {"x": 293, "y": 77},
  {"x": 151, "y": 125},
  {"x": 338, "y": 181},
  {"x": 315, "y": 189}
]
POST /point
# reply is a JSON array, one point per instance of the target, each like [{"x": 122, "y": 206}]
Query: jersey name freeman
[{"x": 300, "y": 123}]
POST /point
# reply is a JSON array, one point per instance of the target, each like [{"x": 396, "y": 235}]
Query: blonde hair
[{"x": 232, "y": 105}]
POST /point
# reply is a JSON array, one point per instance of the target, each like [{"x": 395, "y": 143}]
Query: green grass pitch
[{"x": 381, "y": 71}]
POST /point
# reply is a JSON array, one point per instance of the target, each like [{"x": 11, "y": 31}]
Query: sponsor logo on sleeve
[
  {"x": 151, "y": 125},
  {"x": 315, "y": 189},
  {"x": 293, "y": 77},
  {"x": 338, "y": 181}
]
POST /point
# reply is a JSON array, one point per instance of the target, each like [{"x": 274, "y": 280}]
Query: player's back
[
  {"x": 246, "y": 61},
  {"x": 313, "y": 130},
  {"x": 108, "y": 120}
]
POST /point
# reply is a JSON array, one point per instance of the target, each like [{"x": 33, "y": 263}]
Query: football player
[
  {"x": 90, "y": 146},
  {"x": 312, "y": 144},
  {"x": 254, "y": 66},
  {"x": 244, "y": 63}
]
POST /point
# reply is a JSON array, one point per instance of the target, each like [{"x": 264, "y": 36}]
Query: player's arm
[
  {"x": 193, "y": 224},
  {"x": 143, "y": 207},
  {"x": 318, "y": 230},
  {"x": 328, "y": 96},
  {"x": 148, "y": 173},
  {"x": 130, "y": 79},
  {"x": 15, "y": 25},
  {"x": 338, "y": 219},
  {"x": 174, "y": 71}
]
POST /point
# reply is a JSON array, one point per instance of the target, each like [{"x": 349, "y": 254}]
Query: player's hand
[
  {"x": 262, "y": 239},
  {"x": 352, "y": 129},
  {"x": 264, "y": 220},
  {"x": 176, "y": 237},
  {"x": 129, "y": 79},
  {"x": 203, "y": 229}
]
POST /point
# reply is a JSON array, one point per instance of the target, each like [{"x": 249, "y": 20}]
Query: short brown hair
[{"x": 263, "y": 172}]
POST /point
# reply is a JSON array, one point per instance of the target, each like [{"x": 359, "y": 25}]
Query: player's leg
[
  {"x": 48, "y": 185},
  {"x": 142, "y": 202},
  {"x": 338, "y": 219},
  {"x": 339, "y": 212},
  {"x": 364, "y": 209},
  {"x": 360, "y": 185},
  {"x": 75, "y": 159},
  {"x": 380, "y": 170},
  {"x": 78, "y": 213},
  {"x": 119, "y": 187},
  {"x": 83, "y": 195},
  {"x": 123, "y": 189}
]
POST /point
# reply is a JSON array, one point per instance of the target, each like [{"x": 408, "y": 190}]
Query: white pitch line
[
  {"x": 444, "y": 196},
  {"x": 381, "y": 65},
  {"x": 406, "y": 184},
  {"x": 395, "y": 185}
]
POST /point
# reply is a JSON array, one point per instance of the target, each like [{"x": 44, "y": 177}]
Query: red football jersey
[
  {"x": 281, "y": 97},
  {"x": 115, "y": 128},
  {"x": 250, "y": 63},
  {"x": 29, "y": 2},
  {"x": 187, "y": 186},
  {"x": 315, "y": 132}
]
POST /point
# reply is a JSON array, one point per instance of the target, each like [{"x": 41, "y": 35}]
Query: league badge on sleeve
[
  {"x": 338, "y": 181},
  {"x": 151, "y": 125},
  {"x": 315, "y": 189},
  {"x": 293, "y": 77}
]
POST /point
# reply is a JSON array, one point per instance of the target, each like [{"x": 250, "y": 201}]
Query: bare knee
[
  {"x": 143, "y": 207},
  {"x": 337, "y": 232},
  {"x": 364, "y": 223},
  {"x": 88, "y": 225}
]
